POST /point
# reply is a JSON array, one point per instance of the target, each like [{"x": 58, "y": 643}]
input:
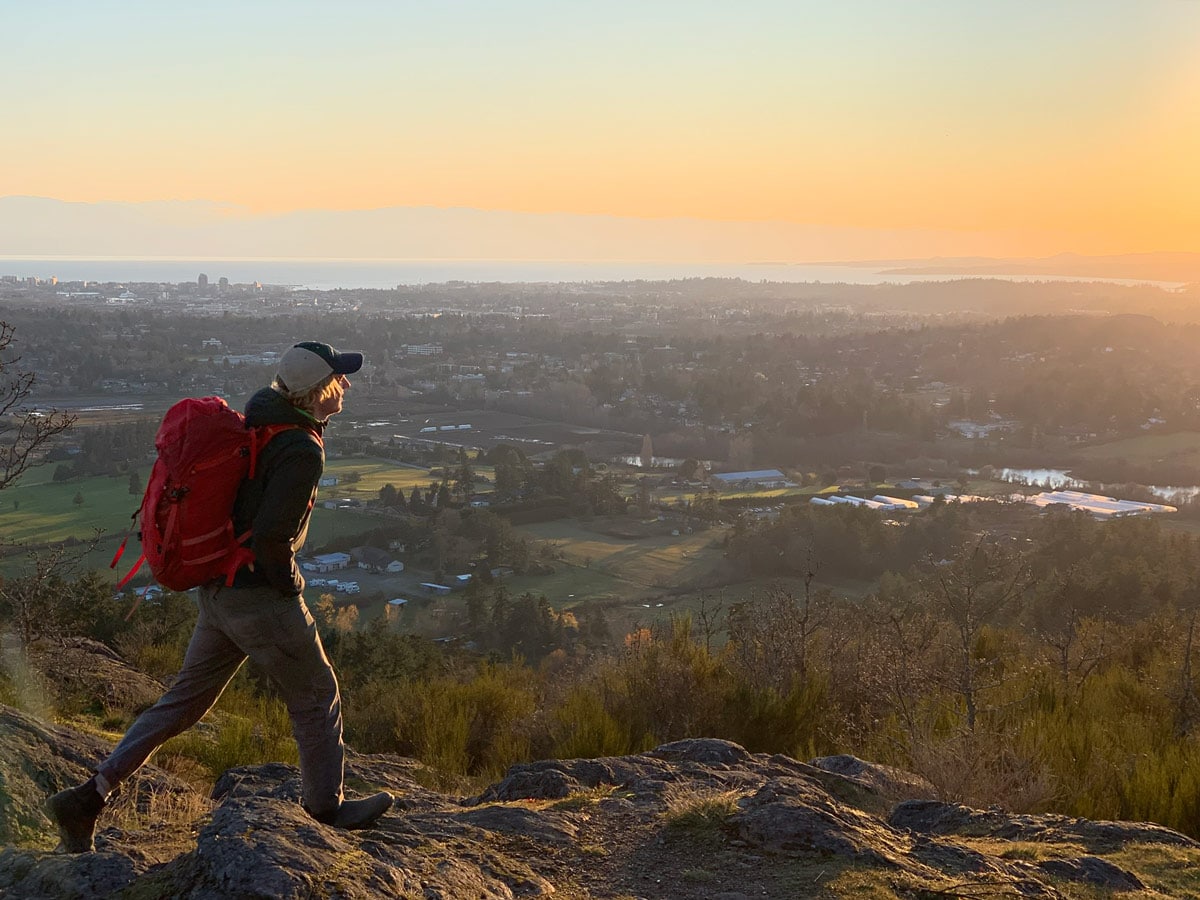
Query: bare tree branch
[{"x": 24, "y": 432}]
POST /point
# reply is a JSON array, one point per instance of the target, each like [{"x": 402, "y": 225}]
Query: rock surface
[
  {"x": 82, "y": 673},
  {"x": 691, "y": 819}
]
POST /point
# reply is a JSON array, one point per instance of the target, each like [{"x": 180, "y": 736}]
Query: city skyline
[{"x": 878, "y": 129}]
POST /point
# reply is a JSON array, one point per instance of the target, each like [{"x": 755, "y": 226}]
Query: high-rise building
[{"x": 202, "y": 281}]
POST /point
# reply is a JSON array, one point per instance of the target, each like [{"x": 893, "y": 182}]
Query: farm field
[
  {"x": 570, "y": 585},
  {"x": 680, "y": 495},
  {"x": 375, "y": 473},
  {"x": 37, "y": 510},
  {"x": 1181, "y": 447},
  {"x": 658, "y": 561}
]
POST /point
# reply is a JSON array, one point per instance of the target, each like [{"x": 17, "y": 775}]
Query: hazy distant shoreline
[{"x": 332, "y": 274}]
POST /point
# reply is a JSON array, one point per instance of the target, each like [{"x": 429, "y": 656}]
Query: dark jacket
[{"x": 276, "y": 504}]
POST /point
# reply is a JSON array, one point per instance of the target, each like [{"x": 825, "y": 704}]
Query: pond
[{"x": 1057, "y": 479}]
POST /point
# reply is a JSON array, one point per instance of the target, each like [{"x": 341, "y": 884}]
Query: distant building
[
  {"x": 897, "y": 502},
  {"x": 327, "y": 562},
  {"x": 202, "y": 281},
  {"x": 1098, "y": 505},
  {"x": 372, "y": 558},
  {"x": 767, "y": 479}
]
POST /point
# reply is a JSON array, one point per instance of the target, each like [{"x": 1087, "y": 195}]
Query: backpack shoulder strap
[{"x": 261, "y": 435}]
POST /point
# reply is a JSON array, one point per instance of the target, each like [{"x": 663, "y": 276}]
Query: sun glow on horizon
[{"x": 1069, "y": 128}]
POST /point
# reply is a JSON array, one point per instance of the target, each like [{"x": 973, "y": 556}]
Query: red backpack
[{"x": 205, "y": 451}]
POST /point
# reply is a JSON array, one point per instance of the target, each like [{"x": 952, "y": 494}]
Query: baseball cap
[{"x": 308, "y": 363}]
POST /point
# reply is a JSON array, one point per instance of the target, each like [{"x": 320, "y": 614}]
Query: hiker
[{"x": 262, "y": 616}]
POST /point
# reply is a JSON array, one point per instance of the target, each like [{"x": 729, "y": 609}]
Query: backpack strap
[
  {"x": 133, "y": 521},
  {"x": 260, "y": 436}
]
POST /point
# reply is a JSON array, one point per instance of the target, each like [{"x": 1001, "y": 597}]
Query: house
[
  {"x": 371, "y": 558},
  {"x": 327, "y": 562}
]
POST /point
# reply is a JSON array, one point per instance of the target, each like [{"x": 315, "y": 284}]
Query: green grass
[
  {"x": 668, "y": 495},
  {"x": 375, "y": 473},
  {"x": 327, "y": 524},
  {"x": 37, "y": 509},
  {"x": 654, "y": 561},
  {"x": 1181, "y": 447},
  {"x": 571, "y": 585}
]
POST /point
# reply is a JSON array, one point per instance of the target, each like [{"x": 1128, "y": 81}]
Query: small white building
[
  {"x": 1098, "y": 505},
  {"x": 327, "y": 562},
  {"x": 896, "y": 502}
]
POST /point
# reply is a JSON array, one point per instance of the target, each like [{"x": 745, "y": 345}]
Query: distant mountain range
[{"x": 34, "y": 227}]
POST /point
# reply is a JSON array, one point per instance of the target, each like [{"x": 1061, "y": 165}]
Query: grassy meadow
[
  {"x": 655, "y": 561},
  {"x": 1182, "y": 447},
  {"x": 373, "y": 474},
  {"x": 37, "y": 511}
]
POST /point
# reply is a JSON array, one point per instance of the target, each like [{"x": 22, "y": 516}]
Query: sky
[{"x": 1004, "y": 128}]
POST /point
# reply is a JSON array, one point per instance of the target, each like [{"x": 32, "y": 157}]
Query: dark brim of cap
[{"x": 346, "y": 363}]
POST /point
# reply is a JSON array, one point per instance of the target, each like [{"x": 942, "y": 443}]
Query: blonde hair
[{"x": 308, "y": 400}]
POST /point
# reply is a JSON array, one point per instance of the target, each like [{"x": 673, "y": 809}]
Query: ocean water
[{"x": 330, "y": 274}]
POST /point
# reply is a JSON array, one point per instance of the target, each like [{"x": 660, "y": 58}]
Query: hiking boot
[
  {"x": 75, "y": 811},
  {"x": 357, "y": 813}
]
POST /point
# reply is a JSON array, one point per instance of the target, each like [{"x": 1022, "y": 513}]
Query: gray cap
[{"x": 309, "y": 363}]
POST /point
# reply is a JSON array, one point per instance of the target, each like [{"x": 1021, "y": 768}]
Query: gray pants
[{"x": 280, "y": 636}]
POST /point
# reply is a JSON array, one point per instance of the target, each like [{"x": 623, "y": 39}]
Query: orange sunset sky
[{"x": 1012, "y": 128}]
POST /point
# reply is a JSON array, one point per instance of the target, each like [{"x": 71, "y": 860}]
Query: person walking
[{"x": 261, "y": 616}]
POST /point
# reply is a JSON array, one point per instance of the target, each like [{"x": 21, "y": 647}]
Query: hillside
[{"x": 692, "y": 818}]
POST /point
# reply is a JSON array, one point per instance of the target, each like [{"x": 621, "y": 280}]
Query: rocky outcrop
[
  {"x": 82, "y": 673},
  {"x": 697, "y": 818}
]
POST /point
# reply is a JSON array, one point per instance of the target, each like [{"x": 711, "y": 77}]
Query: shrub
[
  {"x": 246, "y": 728},
  {"x": 698, "y": 808}
]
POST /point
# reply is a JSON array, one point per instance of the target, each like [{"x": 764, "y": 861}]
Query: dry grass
[
  {"x": 698, "y": 808},
  {"x": 141, "y": 807},
  {"x": 584, "y": 799}
]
